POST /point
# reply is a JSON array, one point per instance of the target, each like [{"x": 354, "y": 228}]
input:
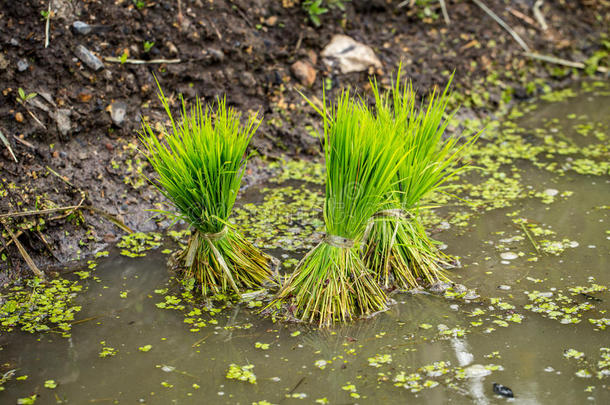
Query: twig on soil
[
  {"x": 112, "y": 218},
  {"x": 503, "y": 25},
  {"x": 445, "y": 13},
  {"x": 523, "y": 17},
  {"x": 24, "y": 253},
  {"x": 141, "y": 61},
  {"x": 8, "y": 146},
  {"x": 179, "y": 17},
  {"x": 563, "y": 62},
  {"x": 24, "y": 142},
  {"x": 38, "y": 212},
  {"x": 35, "y": 118},
  {"x": 538, "y": 14},
  {"x": 218, "y": 34},
  {"x": 47, "y": 27},
  {"x": 243, "y": 15}
]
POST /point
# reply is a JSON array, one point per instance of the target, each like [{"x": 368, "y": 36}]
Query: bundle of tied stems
[
  {"x": 397, "y": 247},
  {"x": 200, "y": 162},
  {"x": 331, "y": 283}
]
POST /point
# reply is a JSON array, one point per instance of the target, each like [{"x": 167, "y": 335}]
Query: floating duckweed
[
  {"x": 50, "y": 384},
  {"x": 558, "y": 306},
  {"x": 284, "y": 213},
  {"x": 435, "y": 369},
  {"x": 601, "y": 323},
  {"x": 573, "y": 354},
  {"x": 298, "y": 170},
  {"x": 107, "y": 351},
  {"x": 145, "y": 348},
  {"x": 27, "y": 400},
  {"x": 582, "y": 373},
  {"x": 40, "y": 306},
  {"x": 379, "y": 360},
  {"x": 262, "y": 346},
  {"x": 321, "y": 364},
  {"x": 135, "y": 244},
  {"x": 241, "y": 373}
]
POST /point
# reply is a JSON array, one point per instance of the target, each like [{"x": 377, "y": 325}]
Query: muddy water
[{"x": 302, "y": 365}]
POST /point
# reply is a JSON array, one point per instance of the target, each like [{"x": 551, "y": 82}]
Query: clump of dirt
[{"x": 74, "y": 141}]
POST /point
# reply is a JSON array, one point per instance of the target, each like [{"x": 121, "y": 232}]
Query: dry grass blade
[{"x": 8, "y": 146}]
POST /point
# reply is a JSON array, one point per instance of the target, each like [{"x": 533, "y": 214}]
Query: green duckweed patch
[
  {"x": 137, "y": 243},
  {"x": 567, "y": 307},
  {"x": 37, "y": 306},
  {"x": 241, "y": 373}
]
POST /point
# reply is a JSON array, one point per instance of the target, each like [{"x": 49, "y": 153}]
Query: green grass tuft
[
  {"x": 331, "y": 283},
  {"x": 397, "y": 246},
  {"x": 200, "y": 162}
]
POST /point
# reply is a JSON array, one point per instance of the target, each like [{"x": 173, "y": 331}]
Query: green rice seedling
[
  {"x": 331, "y": 283},
  {"x": 397, "y": 247},
  {"x": 200, "y": 162}
]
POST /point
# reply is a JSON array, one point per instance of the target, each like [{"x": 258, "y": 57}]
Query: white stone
[{"x": 349, "y": 55}]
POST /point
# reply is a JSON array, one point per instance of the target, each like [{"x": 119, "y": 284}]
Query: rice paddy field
[{"x": 528, "y": 308}]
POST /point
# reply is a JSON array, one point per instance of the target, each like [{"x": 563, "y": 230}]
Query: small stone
[
  {"x": 18, "y": 117},
  {"x": 80, "y": 27},
  {"x": 109, "y": 146},
  {"x": 118, "y": 111},
  {"x": 22, "y": 65},
  {"x": 82, "y": 155},
  {"x": 171, "y": 48},
  {"x": 271, "y": 21},
  {"x": 247, "y": 79},
  {"x": 3, "y": 62},
  {"x": 216, "y": 54},
  {"x": 504, "y": 287},
  {"x": 55, "y": 154},
  {"x": 62, "y": 119},
  {"x": 349, "y": 55},
  {"x": 14, "y": 42},
  {"x": 88, "y": 58},
  {"x": 304, "y": 72},
  {"x": 476, "y": 371},
  {"x": 508, "y": 255},
  {"x": 85, "y": 96},
  {"x": 551, "y": 192}
]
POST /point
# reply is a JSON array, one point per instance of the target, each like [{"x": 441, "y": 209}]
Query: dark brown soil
[{"x": 241, "y": 48}]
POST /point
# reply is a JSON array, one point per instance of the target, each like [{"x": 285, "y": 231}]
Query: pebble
[
  {"x": 504, "y": 287},
  {"x": 81, "y": 27},
  {"x": 508, "y": 255},
  {"x": 118, "y": 111},
  {"x": 22, "y": 65},
  {"x": 349, "y": 55},
  {"x": 88, "y": 58},
  {"x": 216, "y": 54},
  {"x": 18, "y": 117},
  {"x": 304, "y": 72},
  {"x": 14, "y": 42},
  {"x": 551, "y": 192},
  {"x": 247, "y": 79},
  {"x": 3, "y": 62},
  {"x": 62, "y": 119}
]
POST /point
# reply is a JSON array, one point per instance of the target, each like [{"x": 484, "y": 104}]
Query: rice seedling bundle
[
  {"x": 200, "y": 162},
  {"x": 331, "y": 283},
  {"x": 397, "y": 246}
]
